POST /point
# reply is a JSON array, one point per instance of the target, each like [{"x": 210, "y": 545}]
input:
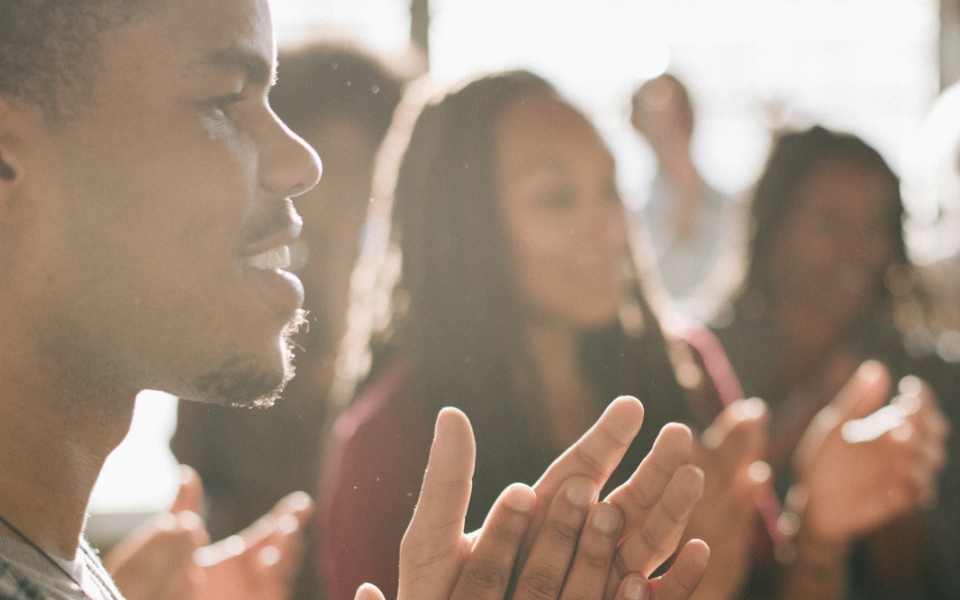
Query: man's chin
[
  {"x": 243, "y": 385},
  {"x": 247, "y": 382}
]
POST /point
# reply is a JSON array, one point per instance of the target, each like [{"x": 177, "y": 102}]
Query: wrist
[{"x": 801, "y": 549}]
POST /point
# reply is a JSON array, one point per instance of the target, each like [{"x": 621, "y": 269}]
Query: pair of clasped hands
[{"x": 552, "y": 541}]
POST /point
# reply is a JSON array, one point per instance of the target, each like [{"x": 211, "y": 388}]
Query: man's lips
[
  {"x": 281, "y": 288},
  {"x": 266, "y": 260}
]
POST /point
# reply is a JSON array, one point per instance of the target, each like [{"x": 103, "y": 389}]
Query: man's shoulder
[{"x": 14, "y": 586}]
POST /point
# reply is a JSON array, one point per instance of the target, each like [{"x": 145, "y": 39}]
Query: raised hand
[
  {"x": 170, "y": 556},
  {"x": 731, "y": 453},
  {"x": 862, "y": 462},
  {"x": 657, "y": 499},
  {"x": 156, "y": 561},
  {"x": 262, "y": 561},
  {"x": 439, "y": 561}
]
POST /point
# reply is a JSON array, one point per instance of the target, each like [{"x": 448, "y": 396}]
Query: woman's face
[
  {"x": 837, "y": 245},
  {"x": 562, "y": 214}
]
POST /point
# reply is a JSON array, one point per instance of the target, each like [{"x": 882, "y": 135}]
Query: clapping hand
[
  {"x": 554, "y": 540},
  {"x": 170, "y": 557}
]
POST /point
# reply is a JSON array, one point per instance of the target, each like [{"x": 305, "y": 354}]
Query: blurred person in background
[
  {"x": 932, "y": 184},
  {"x": 827, "y": 287},
  {"x": 508, "y": 289},
  {"x": 693, "y": 231}
]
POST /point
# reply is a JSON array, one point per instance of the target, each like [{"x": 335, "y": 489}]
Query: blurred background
[{"x": 872, "y": 67}]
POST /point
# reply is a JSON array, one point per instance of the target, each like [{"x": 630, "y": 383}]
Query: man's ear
[{"x": 12, "y": 164}]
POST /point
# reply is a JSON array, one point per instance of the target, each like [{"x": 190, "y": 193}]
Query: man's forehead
[{"x": 220, "y": 35}]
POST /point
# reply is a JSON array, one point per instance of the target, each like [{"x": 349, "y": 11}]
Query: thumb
[
  {"x": 436, "y": 529},
  {"x": 740, "y": 431},
  {"x": 863, "y": 393},
  {"x": 190, "y": 495}
]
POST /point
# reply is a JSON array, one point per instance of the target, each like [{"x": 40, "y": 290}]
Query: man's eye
[{"x": 222, "y": 104}]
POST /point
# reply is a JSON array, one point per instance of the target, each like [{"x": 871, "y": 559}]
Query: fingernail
[
  {"x": 288, "y": 524},
  {"x": 759, "y": 471},
  {"x": 166, "y": 522},
  {"x": 871, "y": 370},
  {"x": 270, "y": 556},
  {"x": 579, "y": 492},
  {"x": 186, "y": 474},
  {"x": 520, "y": 498},
  {"x": 189, "y": 520},
  {"x": 910, "y": 385},
  {"x": 299, "y": 501},
  {"x": 635, "y": 588},
  {"x": 606, "y": 519},
  {"x": 751, "y": 408}
]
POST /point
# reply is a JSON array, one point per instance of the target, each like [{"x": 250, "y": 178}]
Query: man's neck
[{"x": 51, "y": 453}]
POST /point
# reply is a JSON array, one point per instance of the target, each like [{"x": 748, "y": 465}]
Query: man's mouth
[{"x": 273, "y": 258}]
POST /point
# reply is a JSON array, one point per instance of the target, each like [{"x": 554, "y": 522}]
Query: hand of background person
[
  {"x": 648, "y": 514},
  {"x": 863, "y": 462},
  {"x": 730, "y": 453},
  {"x": 170, "y": 557}
]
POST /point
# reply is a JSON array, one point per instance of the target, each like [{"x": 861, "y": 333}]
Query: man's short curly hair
[{"x": 49, "y": 49}]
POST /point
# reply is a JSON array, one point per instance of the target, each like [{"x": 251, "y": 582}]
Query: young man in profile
[{"x": 145, "y": 225}]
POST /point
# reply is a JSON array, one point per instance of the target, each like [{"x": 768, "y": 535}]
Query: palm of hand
[
  {"x": 727, "y": 515},
  {"x": 855, "y": 483},
  {"x": 170, "y": 559},
  {"x": 855, "y": 486}
]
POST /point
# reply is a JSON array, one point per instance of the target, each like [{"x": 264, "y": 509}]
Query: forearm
[{"x": 817, "y": 571}]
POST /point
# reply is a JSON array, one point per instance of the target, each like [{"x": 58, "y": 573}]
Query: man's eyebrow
[
  {"x": 538, "y": 164},
  {"x": 254, "y": 65}
]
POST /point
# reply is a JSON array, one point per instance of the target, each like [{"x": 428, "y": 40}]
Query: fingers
[
  {"x": 190, "y": 495},
  {"x": 864, "y": 393},
  {"x": 276, "y": 542},
  {"x": 633, "y": 587},
  {"x": 738, "y": 434},
  {"x": 486, "y": 573},
  {"x": 594, "y": 456},
  {"x": 546, "y": 566},
  {"x": 655, "y": 539},
  {"x": 590, "y": 571},
  {"x": 638, "y": 496},
  {"x": 908, "y": 435},
  {"x": 155, "y": 562},
  {"x": 732, "y": 458},
  {"x": 264, "y": 557},
  {"x": 262, "y": 560},
  {"x": 545, "y": 569},
  {"x": 684, "y": 575},
  {"x": 919, "y": 404},
  {"x": 925, "y": 430},
  {"x": 436, "y": 530},
  {"x": 598, "y": 452}
]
